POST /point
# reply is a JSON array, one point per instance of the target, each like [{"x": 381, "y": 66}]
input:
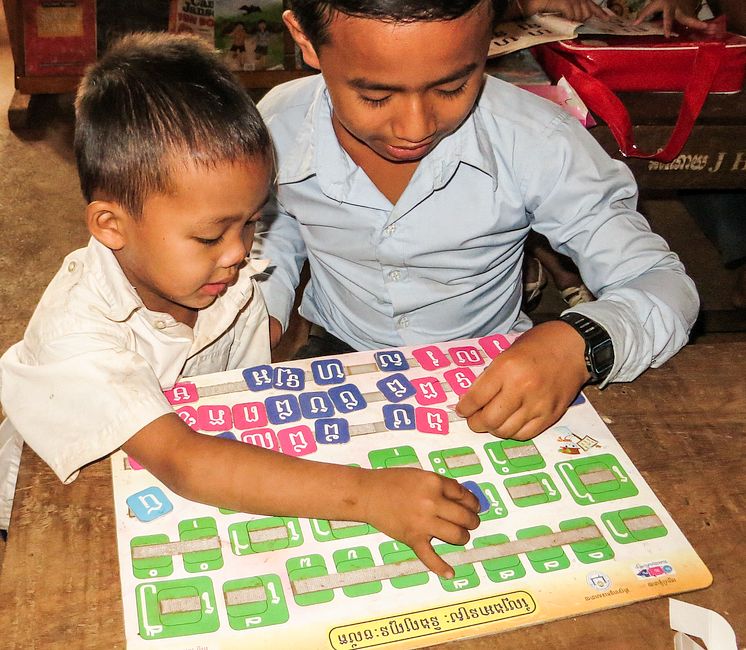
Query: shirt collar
[
  {"x": 317, "y": 152},
  {"x": 112, "y": 284},
  {"x": 299, "y": 162},
  {"x": 123, "y": 300}
]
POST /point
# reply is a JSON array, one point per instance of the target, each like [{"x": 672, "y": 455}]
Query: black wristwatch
[{"x": 599, "y": 349}]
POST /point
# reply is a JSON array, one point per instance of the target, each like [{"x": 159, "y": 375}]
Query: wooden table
[{"x": 683, "y": 425}]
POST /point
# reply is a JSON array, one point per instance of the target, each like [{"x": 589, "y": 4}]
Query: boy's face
[
  {"x": 399, "y": 88},
  {"x": 186, "y": 248}
]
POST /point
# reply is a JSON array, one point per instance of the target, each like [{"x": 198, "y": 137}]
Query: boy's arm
[
  {"x": 585, "y": 204},
  {"x": 410, "y": 505}
]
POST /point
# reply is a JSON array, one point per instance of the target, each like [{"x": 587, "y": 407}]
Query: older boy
[
  {"x": 410, "y": 182},
  {"x": 176, "y": 163}
]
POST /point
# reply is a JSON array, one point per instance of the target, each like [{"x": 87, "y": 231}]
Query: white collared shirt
[{"x": 90, "y": 370}]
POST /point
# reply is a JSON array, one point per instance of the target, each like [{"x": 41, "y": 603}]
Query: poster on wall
[
  {"x": 250, "y": 34},
  {"x": 193, "y": 17}
]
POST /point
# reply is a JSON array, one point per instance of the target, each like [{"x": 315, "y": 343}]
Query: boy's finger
[
  {"x": 461, "y": 515},
  {"x": 456, "y": 492},
  {"x": 482, "y": 391},
  {"x": 453, "y": 490},
  {"x": 529, "y": 430},
  {"x": 479, "y": 423},
  {"x": 432, "y": 560},
  {"x": 491, "y": 418},
  {"x": 514, "y": 423},
  {"x": 449, "y": 532}
]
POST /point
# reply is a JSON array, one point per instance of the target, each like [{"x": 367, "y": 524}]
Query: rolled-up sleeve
[{"x": 585, "y": 203}]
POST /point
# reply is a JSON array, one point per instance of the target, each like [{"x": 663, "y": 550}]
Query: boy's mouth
[
  {"x": 408, "y": 153},
  {"x": 214, "y": 288}
]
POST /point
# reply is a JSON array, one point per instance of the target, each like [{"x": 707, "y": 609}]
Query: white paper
[{"x": 703, "y": 623}]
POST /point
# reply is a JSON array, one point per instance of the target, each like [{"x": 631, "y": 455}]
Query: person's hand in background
[
  {"x": 579, "y": 10},
  {"x": 680, "y": 11}
]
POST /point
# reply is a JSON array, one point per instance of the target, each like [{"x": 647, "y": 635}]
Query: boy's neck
[{"x": 391, "y": 178}]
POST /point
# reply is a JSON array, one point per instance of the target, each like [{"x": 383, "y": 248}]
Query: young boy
[
  {"x": 410, "y": 181},
  {"x": 176, "y": 164}
]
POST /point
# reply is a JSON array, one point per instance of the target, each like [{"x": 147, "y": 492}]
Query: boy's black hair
[
  {"x": 315, "y": 16},
  {"x": 152, "y": 99}
]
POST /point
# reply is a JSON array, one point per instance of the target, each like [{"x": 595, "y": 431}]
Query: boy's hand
[
  {"x": 413, "y": 506},
  {"x": 528, "y": 387}
]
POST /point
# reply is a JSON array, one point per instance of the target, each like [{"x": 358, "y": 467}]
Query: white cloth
[{"x": 90, "y": 370}]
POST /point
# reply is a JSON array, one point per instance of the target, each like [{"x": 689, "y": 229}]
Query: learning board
[{"x": 568, "y": 526}]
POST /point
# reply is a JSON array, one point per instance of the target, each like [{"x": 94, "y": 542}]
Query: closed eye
[
  {"x": 370, "y": 101},
  {"x": 450, "y": 94},
  {"x": 209, "y": 242}
]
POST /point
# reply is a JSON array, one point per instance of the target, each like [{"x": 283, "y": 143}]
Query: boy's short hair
[
  {"x": 151, "y": 99},
  {"x": 315, "y": 16}
]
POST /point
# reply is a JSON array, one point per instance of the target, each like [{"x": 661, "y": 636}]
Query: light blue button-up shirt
[{"x": 444, "y": 262}]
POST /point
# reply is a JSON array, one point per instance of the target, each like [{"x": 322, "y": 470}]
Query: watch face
[{"x": 603, "y": 355}]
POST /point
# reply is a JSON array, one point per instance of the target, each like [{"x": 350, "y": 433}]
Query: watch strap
[{"x": 599, "y": 348}]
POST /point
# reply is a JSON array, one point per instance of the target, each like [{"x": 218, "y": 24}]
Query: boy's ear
[
  {"x": 299, "y": 36},
  {"x": 107, "y": 222}
]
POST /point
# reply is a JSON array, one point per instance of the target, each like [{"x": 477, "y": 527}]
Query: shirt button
[
  {"x": 72, "y": 266},
  {"x": 389, "y": 230},
  {"x": 395, "y": 275},
  {"x": 161, "y": 325},
  {"x": 403, "y": 322}
]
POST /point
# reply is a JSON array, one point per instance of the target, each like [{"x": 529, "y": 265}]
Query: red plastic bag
[{"x": 692, "y": 64}]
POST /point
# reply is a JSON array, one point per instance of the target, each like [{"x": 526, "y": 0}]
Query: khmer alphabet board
[{"x": 569, "y": 525}]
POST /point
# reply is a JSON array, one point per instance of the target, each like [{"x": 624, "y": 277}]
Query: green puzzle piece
[
  {"x": 500, "y": 569},
  {"x": 544, "y": 560},
  {"x": 596, "y": 479},
  {"x": 151, "y": 567},
  {"x": 497, "y": 509},
  {"x": 393, "y": 457},
  {"x": 395, "y": 552},
  {"x": 465, "y": 576},
  {"x": 590, "y": 550},
  {"x": 176, "y": 608},
  {"x": 461, "y": 461},
  {"x": 532, "y": 489},
  {"x": 272, "y": 610},
  {"x": 309, "y": 566},
  {"x": 514, "y": 456},
  {"x": 265, "y": 534},
  {"x": 352, "y": 559},
  {"x": 634, "y": 525},
  {"x": 325, "y": 531},
  {"x": 198, "y": 561}
]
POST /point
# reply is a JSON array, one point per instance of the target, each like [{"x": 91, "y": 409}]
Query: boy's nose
[
  {"x": 415, "y": 122},
  {"x": 235, "y": 252}
]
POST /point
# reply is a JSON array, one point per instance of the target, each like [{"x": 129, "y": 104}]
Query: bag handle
[{"x": 604, "y": 103}]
